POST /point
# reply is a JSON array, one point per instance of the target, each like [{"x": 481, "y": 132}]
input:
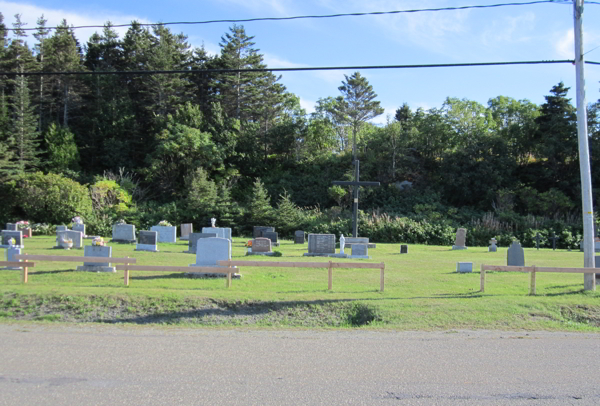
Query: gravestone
[
  {"x": 359, "y": 240},
  {"x": 166, "y": 233},
  {"x": 11, "y": 227},
  {"x": 76, "y": 236},
  {"x": 80, "y": 227},
  {"x": 97, "y": 251},
  {"x": 360, "y": 251},
  {"x": 537, "y": 240},
  {"x": 8, "y": 234},
  {"x": 403, "y": 249},
  {"x": 209, "y": 251},
  {"x": 515, "y": 255},
  {"x": 193, "y": 241},
  {"x": 258, "y": 230},
  {"x": 10, "y": 256},
  {"x": 464, "y": 267},
  {"x": 123, "y": 233},
  {"x": 261, "y": 246},
  {"x": 273, "y": 236},
  {"x": 186, "y": 230},
  {"x": 299, "y": 237},
  {"x": 554, "y": 238},
  {"x": 61, "y": 228},
  {"x": 461, "y": 239},
  {"x": 321, "y": 245},
  {"x": 147, "y": 241},
  {"x": 493, "y": 247}
]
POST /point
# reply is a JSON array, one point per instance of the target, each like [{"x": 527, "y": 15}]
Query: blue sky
[{"x": 533, "y": 32}]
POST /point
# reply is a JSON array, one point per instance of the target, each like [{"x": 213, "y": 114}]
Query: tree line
[{"x": 206, "y": 142}]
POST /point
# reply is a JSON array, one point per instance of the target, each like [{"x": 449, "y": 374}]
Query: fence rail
[
  {"x": 329, "y": 265},
  {"x": 533, "y": 270}
]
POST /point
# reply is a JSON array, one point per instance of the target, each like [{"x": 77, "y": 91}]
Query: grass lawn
[{"x": 422, "y": 291}]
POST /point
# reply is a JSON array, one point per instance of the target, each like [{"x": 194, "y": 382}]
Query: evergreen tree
[
  {"x": 41, "y": 35},
  {"x": 62, "y": 150},
  {"x": 201, "y": 196},
  {"x": 359, "y": 103},
  {"x": 259, "y": 209},
  {"x": 24, "y": 128}
]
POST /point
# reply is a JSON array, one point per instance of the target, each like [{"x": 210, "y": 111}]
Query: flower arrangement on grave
[
  {"x": 248, "y": 244},
  {"x": 11, "y": 241},
  {"x": 121, "y": 221},
  {"x": 77, "y": 220},
  {"x": 98, "y": 242},
  {"x": 165, "y": 223},
  {"x": 22, "y": 225}
]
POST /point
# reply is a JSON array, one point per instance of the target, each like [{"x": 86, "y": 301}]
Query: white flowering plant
[
  {"x": 165, "y": 223},
  {"x": 11, "y": 241}
]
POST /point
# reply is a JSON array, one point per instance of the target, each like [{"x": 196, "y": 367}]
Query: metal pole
[
  {"x": 584, "y": 157},
  {"x": 355, "y": 206}
]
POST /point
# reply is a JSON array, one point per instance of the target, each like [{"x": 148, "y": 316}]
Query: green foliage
[
  {"x": 51, "y": 198},
  {"x": 62, "y": 150},
  {"x": 288, "y": 216},
  {"x": 260, "y": 211},
  {"x": 201, "y": 197}
]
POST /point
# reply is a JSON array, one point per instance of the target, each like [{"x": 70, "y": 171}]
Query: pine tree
[
  {"x": 359, "y": 103},
  {"x": 24, "y": 128},
  {"x": 41, "y": 35},
  {"x": 260, "y": 210}
]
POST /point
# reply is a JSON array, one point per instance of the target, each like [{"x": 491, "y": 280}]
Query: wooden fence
[
  {"x": 189, "y": 269},
  {"x": 59, "y": 258},
  {"x": 533, "y": 270},
  {"x": 329, "y": 265},
  {"x": 25, "y": 265}
]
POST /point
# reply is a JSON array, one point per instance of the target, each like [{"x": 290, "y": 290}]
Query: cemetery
[{"x": 399, "y": 286}]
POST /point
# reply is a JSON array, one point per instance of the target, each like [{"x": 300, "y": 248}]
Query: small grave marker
[
  {"x": 461, "y": 239},
  {"x": 515, "y": 255},
  {"x": 299, "y": 237},
  {"x": 97, "y": 251},
  {"x": 403, "y": 249},
  {"x": 148, "y": 241},
  {"x": 493, "y": 247}
]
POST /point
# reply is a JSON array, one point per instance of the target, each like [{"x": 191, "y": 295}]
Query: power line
[
  {"x": 246, "y": 20},
  {"x": 320, "y": 68}
]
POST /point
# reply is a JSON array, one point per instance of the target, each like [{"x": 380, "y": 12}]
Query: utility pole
[{"x": 584, "y": 156}]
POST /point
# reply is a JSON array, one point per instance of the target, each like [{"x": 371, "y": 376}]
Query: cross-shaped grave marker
[
  {"x": 357, "y": 184},
  {"x": 554, "y": 238},
  {"x": 537, "y": 241}
]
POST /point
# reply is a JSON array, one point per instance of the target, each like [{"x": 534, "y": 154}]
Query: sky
[{"x": 509, "y": 33}]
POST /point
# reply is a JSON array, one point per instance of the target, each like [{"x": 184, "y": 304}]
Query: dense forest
[{"x": 213, "y": 141}]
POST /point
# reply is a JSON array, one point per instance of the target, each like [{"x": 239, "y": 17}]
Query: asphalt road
[{"x": 111, "y": 365}]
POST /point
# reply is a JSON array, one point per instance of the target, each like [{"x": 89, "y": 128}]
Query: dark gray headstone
[
  {"x": 403, "y": 249},
  {"x": 515, "y": 255},
  {"x": 360, "y": 249},
  {"x": 299, "y": 237},
  {"x": 257, "y": 231},
  {"x": 11, "y": 227},
  {"x": 148, "y": 237},
  {"x": 321, "y": 243},
  {"x": 8, "y": 234},
  {"x": 193, "y": 240},
  {"x": 271, "y": 235}
]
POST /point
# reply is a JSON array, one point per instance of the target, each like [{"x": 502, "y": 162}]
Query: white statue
[
  {"x": 213, "y": 221},
  {"x": 342, "y": 243}
]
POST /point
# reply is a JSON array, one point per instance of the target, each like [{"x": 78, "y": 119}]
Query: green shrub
[{"x": 51, "y": 198}]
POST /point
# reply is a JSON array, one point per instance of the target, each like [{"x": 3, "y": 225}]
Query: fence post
[
  {"x": 482, "y": 277},
  {"x": 25, "y": 272},
  {"x": 532, "y": 284},
  {"x": 330, "y": 285},
  {"x": 126, "y": 275},
  {"x": 228, "y": 281},
  {"x": 381, "y": 277}
]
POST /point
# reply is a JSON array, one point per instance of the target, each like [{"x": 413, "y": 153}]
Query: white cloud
[
  {"x": 564, "y": 46},
  {"x": 30, "y": 14},
  {"x": 307, "y": 105},
  {"x": 508, "y": 30}
]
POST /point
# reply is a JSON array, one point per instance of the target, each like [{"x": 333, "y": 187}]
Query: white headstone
[
  {"x": 10, "y": 256},
  {"x": 123, "y": 233}
]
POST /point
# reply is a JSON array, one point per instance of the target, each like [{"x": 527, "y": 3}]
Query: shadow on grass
[
  {"x": 49, "y": 272},
  {"x": 575, "y": 292},
  {"x": 178, "y": 275}
]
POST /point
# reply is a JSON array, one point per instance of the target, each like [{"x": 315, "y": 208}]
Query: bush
[{"x": 51, "y": 198}]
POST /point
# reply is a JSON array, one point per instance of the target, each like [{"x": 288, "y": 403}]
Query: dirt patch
[
  {"x": 200, "y": 311},
  {"x": 582, "y": 314}
]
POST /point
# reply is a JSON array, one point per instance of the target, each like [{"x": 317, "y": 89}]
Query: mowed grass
[{"x": 422, "y": 291}]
